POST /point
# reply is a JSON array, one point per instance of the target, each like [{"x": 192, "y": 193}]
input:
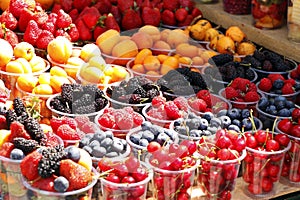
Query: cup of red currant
[
  {"x": 290, "y": 173},
  {"x": 263, "y": 163},
  {"x": 124, "y": 179},
  {"x": 174, "y": 170},
  {"x": 220, "y": 160}
]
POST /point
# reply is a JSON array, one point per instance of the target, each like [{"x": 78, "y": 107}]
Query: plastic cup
[
  {"x": 182, "y": 137},
  {"x": 169, "y": 184},
  {"x": 10, "y": 79},
  {"x": 86, "y": 192},
  {"x": 217, "y": 177},
  {"x": 126, "y": 191},
  {"x": 115, "y": 60},
  {"x": 261, "y": 172}
]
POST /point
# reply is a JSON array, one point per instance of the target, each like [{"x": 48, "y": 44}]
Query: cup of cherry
[
  {"x": 290, "y": 174},
  {"x": 124, "y": 179},
  {"x": 174, "y": 170},
  {"x": 263, "y": 163},
  {"x": 220, "y": 158}
]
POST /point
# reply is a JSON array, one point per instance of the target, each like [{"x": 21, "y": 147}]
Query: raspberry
[
  {"x": 65, "y": 132},
  {"x": 291, "y": 81},
  {"x": 55, "y": 124},
  {"x": 274, "y": 77},
  {"x": 298, "y": 69},
  {"x": 125, "y": 121},
  {"x": 251, "y": 96},
  {"x": 157, "y": 113},
  {"x": 294, "y": 74},
  {"x": 287, "y": 88},
  {"x": 205, "y": 95},
  {"x": 158, "y": 100},
  {"x": 240, "y": 103},
  {"x": 70, "y": 121},
  {"x": 231, "y": 93},
  {"x": 81, "y": 120},
  {"x": 89, "y": 127},
  {"x": 137, "y": 119},
  {"x": 243, "y": 84},
  {"x": 252, "y": 87},
  {"x": 198, "y": 104},
  {"x": 172, "y": 110},
  {"x": 107, "y": 120},
  {"x": 181, "y": 103},
  {"x": 128, "y": 109},
  {"x": 265, "y": 84}
]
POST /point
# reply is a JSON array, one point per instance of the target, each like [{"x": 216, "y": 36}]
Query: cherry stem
[
  {"x": 265, "y": 164},
  {"x": 251, "y": 118},
  {"x": 274, "y": 124}
]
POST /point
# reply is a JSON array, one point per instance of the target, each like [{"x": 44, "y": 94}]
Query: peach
[
  {"x": 25, "y": 64},
  {"x": 37, "y": 63},
  {"x": 6, "y": 52},
  {"x": 125, "y": 49},
  {"x": 185, "y": 49},
  {"x": 88, "y": 51},
  {"x": 60, "y": 49},
  {"x": 24, "y": 50},
  {"x": 27, "y": 82},
  {"x": 160, "y": 44},
  {"x": 164, "y": 34},
  {"x": 151, "y": 63},
  {"x": 142, "y": 40},
  {"x": 107, "y": 40},
  {"x": 153, "y": 31},
  {"x": 176, "y": 37}
]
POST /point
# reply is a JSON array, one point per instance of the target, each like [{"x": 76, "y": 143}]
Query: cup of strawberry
[
  {"x": 124, "y": 179},
  {"x": 263, "y": 163},
  {"x": 220, "y": 160},
  {"x": 119, "y": 121},
  {"x": 174, "y": 170}
]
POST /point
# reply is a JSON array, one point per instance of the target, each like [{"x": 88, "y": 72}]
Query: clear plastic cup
[
  {"x": 261, "y": 172},
  {"x": 115, "y": 60},
  {"x": 217, "y": 177}
]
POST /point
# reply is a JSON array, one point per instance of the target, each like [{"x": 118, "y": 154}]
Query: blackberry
[
  {"x": 57, "y": 104},
  {"x": 267, "y": 66},
  {"x": 21, "y": 118},
  {"x": 85, "y": 109},
  {"x": 183, "y": 90},
  {"x": 87, "y": 99},
  {"x": 67, "y": 93},
  {"x": 259, "y": 55},
  {"x": 117, "y": 92},
  {"x": 152, "y": 93},
  {"x": 272, "y": 57},
  {"x": 10, "y": 117},
  {"x": 19, "y": 106},
  {"x": 183, "y": 71},
  {"x": 143, "y": 80},
  {"x": 35, "y": 130},
  {"x": 27, "y": 146},
  {"x": 281, "y": 66},
  {"x": 220, "y": 59},
  {"x": 139, "y": 90},
  {"x": 150, "y": 86},
  {"x": 252, "y": 61},
  {"x": 100, "y": 103},
  {"x": 51, "y": 157},
  {"x": 249, "y": 74},
  {"x": 240, "y": 72},
  {"x": 135, "y": 99}
]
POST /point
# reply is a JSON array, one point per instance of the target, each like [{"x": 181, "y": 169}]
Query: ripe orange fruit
[
  {"x": 151, "y": 63},
  {"x": 139, "y": 68},
  {"x": 172, "y": 62},
  {"x": 140, "y": 57}
]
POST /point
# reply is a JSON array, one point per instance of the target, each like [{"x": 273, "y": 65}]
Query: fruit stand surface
[{"x": 275, "y": 40}]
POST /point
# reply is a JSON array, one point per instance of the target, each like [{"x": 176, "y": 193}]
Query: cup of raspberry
[
  {"x": 124, "y": 179},
  {"x": 174, "y": 170},
  {"x": 262, "y": 165},
  {"x": 220, "y": 160}
]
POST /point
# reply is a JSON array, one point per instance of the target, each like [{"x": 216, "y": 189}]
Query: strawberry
[
  {"x": 32, "y": 32},
  {"x": 52, "y": 18},
  {"x": 9, "y": 20},
  {"x": 124, "y": 5},
  {"x": 46, "y": 184},
  {"x": 52, "y": 140},
  {"x": 265, "y": 84},
  {"x": 168, "y": 18},
  {"x": 98, "y": 31},
  {"x": 144, "y": 3},
  {"x": 84, "y": 32},
  {"x": 63, "y": 19},
  {"x": 17, "y": 130},
  {"x": 171, "y": 5},
  {"x": 107, "y": 120},
  {"x": 115, "y": 11},
  {"x": 89, "y": 127},
  {"x": 16, "y": 7},
  {"x": 131, "y": 20},
  {"x": 125, "y": 121},
  {"x": 11, "y": 37},
  {"x": 25, "y": 16},
  {"x": 274, "y": 77},
  {"x": 74, "y": 14},
  {"x": 65, "y": 132},
  {"x": 62, "y": 32},
  {"x": 49, "y": 26},
  {"x": 103, "y": 6},
  {"x": 287, "y": 89},
  {"x": 6, "y": 149},
  {"x": 172, "y": 110},
  {"x": 81, "y": 4},
  {"x": 230, "y": 93},
  {"x": 73, "y": 33},
  {"x": 77, "y": 175},
  {"x": 111, "y": 23},
  {"x": 3, "y": 123},
  {"x": 91, "y": 18},
  {"x": 188, "y": 20},
  {"x": 158, "y": 101},
  {"x": 181, "y": 14},
  {"x": 196, "y": 12},
  {"x": 151, "y": 16},
  {"x": 44, "y": 38},
  {"x": 66, "y": 5},
  {"x": 186, "y": 4},
  {"x": 29, "y": 165},
  {"x": 137, "y": 119},
  {"x": 251, "y": 96},
  {"x": 56, "y": 7},
  {"x": 40, "y": 17}
]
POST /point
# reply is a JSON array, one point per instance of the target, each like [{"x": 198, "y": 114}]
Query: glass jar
[
  {"x": 268, "y": 14},
  {"x": 293, "y": 19},
  {"x": 237, "y": 7}
]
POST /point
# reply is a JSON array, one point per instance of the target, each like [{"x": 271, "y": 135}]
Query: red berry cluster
[
  {"x": 275, "y": 82},
  {"x": 174, "y": 158},
  {"x": 120, "y": 119},
  {"x": 167, "y": 110},
  {"x": 128, "y": 171},
  {"x": 263, "y": 162},
  {"x": 291, "y": 126},
  {"x": 206, "y": 102},
  {"x": 241, "y": 90},
  {"x": 295, "y": 74},
  {"x": 216, "y": 176}
]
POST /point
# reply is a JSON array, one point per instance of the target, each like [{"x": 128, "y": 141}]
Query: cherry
[
  {"x": 182, "y": 151},
  {"x": 183, "y": 196},
  {"x": 191, "y": 145},
  {"x": 254, "y": 188},
  {"x": 261, "y": 136},
  {"x": 153, "y": 146},
  {"x": 224, "y": 154},
  {"x": 232, "y": 135},
  {"x": 283, "y": 139},
  {"x": 223, "y": 142},
  {"x": 296, "y": 114},
  {"x": 295, "y": 131},
  {"x": 285, "y": 170},
  {"x": 113, "y": 178},
  {"x": 138, "y": 191},
  {"x": 285, "y": 125},
  {"x": 251, "y": 142},
  {"x": 140, "y": 174},
  {"x": 239, "y": 144},
  {"x": 273, "y": 170},
  {"x": 166, "y": 165},
  {"x": 161, "y": 155},
  {"x": 249, "y": 158},
  {"x": 225, "y": 195},
  {"x": 159, "y": 181},
  {"x": 120, "y": 169},
  {"x": 128, "y": 179},
  {"x": 104, "y": 165},
  {"x": 220, "y": 132},
  {"x": 267, "y": 184},
  {"x": 295, "y": 177},
  {"x": 272, "y": 145},
  {"x": 177, "y": 164}
]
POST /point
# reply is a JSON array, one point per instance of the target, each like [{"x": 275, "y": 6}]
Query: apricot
[
  {"x": 139, "y": 68},
  {"x": 37, "y": 64},
  {"x": 25, "y": 64},
  {"x": 160, "y": 44},
  {"x": 164, "y": 34},
  {"x": 14, "y": 67},
  {"x": 60, "y": 49},
  {"x": 151, "y": 63},
  {"x": 6, "y": 52},
  {"x": 140, "y": 57},
  {"x": 27, "y": 82},
  {"x": 165, "y": 69},
  {"x": 88, "y": 51},
  {"x": 43, "y": 89},
  {"x": 197, "y": 60},
  {"x": 162, "y": 57},
  {"x": 185, "y": 60},
  {"x": 142, "y": 40},
  {"x": 171, "y": 61},
  {"x": 246, "y": 48},
  {"x": 57, "y": 81},
  {"x": 107, "y": 40},
  {"x": 44, "y": 78},
  {"x": 185, "y": 49},
  {"x": 91, "y": 74},
  {"x": 58, "y": 71},
  {"x": 125, "y": 49},
  {"x": 155, "y": 75},
  {"x": 153, "y": 31},
  {"x": 176, "y": 37}
]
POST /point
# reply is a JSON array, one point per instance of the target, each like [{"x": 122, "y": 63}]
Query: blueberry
[
  {"x": 88, "y": 135},
  {"x": 148, "y": 135},
  {"x": 178, "y": 122},
  {"x": 256, "y": 122},
  {"x": 109, "y": 134},
  {"x": 135, "y": 138},
  {"x": 237, "y": 123},
  {"x": 88, "y": 149},
  {"x": 112, "y": 154},
  {"x": 222, "y": 113},
  {"x": 72, "y": 153},
  {"x": 146, "y": 125},
  {"x": 182, "y": 130},
  {"x": 162, "y": 138},
  {"x": 195, "y": 133},
  {"x": 156, "y": 130},
  {"x": 94, "y": 143},
  {"x": 107, "y": 142},
  {"x": 226, "y": 121},
  {"x": 279, "y": 92},
  {"x": 208, "y": 116},
  {"x": 170, "y": 133},
  {"x": 17, "y": 154},
  {"x": 203, "y": 124},
  {"x": 98, "y": 152},
  {"x": 263, "y": 103},
  {"x": 143, "y": 142},
  {"x": 99, "y": 136},
  {"x": 215, "y": 122},
  {"x": 297, "y": 86},
  {"x": 212, "y": 129},
  {"x": 279, "y": 104},
  {"x": 271, "y": 101},
  {"x": 233, "y": 127},
  {"x": 117, "y": 145},
  {"x": 284, "y": 112},
  {"x": 278, "y": 84},
  {"x": 84, "y": 142},
  {"x": 193, "y": 123},
  {"x": 234, "y": 113},
  {"x": 289, "y": 104},
  {"x": 246, "y": 123},
  {"x": 191, "y": 115},
  {"x": 245, "y": 113},
  {"x": 280, "y": 98},
  {"x": 61, "y": 184},
  {"x": 206, "y": 133},
  {"x": 271, "y": 110}
]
